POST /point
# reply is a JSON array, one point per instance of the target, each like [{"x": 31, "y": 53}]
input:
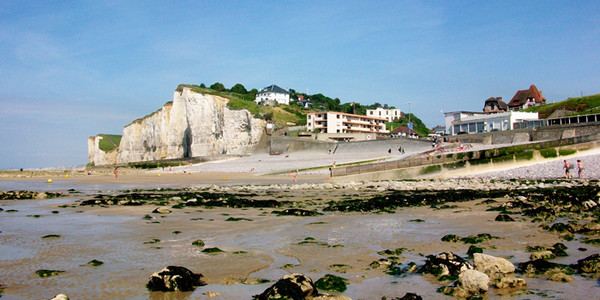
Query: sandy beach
[{"x": 259, "y": 246}]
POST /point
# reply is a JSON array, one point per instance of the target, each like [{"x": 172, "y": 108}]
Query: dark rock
[
  {"x": 173, "y": 278},
  {"x": 294, "y": 286},
  {"x": 331, "y": 282},
  {"x": 198, "y": 243},
  {"x": 474, "y": 249},
  {"x": 409, "y": 296},
  {"x": 562, "y": 228},
  {"x": 590, "y": 264},
  {"x": 445, "y": 263},
  {"x": 504, "y": 218},
  {"x": 48, "y": 273},
  {"x": 297, "y": 212},
  {"x": 541, "y": 266}
]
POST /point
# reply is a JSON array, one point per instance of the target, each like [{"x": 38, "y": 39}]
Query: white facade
[
  {"x": 475, "y": 122},
  {"x": 389, "y": 114},
  {"x": 338, "y": 122},
  {"x": 272, "y": 95}
]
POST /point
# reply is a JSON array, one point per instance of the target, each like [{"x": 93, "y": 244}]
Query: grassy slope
[
  {"x": 581, "y": 105},
  {"x": 109, "y": 142}
]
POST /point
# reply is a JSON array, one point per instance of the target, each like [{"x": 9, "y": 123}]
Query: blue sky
[{"x": 74, "y": 69}]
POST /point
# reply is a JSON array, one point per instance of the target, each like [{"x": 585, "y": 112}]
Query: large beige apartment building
[{"x": 338, "y": 122}]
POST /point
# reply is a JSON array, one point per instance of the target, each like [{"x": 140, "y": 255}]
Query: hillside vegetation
[
  {"x": 419, "y": 126},
  {"x": 580, "y": 106},
  {"x": 109, "y": 142}
]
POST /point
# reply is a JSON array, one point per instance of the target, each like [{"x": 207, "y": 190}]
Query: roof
[
  {"x": 498, "y": 100},
  {"x": 275, "y": 89},
  {"x": 402, "y": 129},
  {"x": 522, "y": 95}
]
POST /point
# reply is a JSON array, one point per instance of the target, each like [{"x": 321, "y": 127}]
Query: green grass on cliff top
[
  {"x": 109, "y": 142},
  {"x": 580, "y": 105}
]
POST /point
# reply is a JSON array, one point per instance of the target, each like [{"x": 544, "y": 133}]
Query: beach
[{"x": 260, "y": 244}]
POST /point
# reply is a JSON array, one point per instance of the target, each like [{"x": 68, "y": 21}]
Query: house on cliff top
[
  {"x": 526, "y": 98},
  {"x": 272, "y": 95}
]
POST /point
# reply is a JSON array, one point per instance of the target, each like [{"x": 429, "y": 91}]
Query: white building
[
  {"x": 389, "y": 114},
  {"x": 272, "y": 95},
  {"x": 475, "y": 122},
  {"x": 338, "y": 122}
]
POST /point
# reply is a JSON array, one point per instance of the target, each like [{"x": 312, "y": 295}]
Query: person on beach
[
  {"x": 116, "y": 173},
  {"x": 580, "y": 168},
  {"x": 567, "y": 167}
]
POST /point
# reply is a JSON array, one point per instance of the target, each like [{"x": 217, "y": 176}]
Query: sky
[{"x": 74, "y": 69}]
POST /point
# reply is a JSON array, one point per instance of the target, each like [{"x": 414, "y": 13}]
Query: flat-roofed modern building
[
  {"x": 461, "y": 122},
  {"x": 338, "y": 122},
  {"x": 389, "y": 113}
]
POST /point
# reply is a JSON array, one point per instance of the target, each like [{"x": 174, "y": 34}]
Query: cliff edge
[{"x": 192, "y": 125}]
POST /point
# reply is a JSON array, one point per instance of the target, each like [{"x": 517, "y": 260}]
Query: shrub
[
  {"x": 524, "y": 155},
  {"x": 548, "y": 153},
  {"x": 566, "y": 151}
]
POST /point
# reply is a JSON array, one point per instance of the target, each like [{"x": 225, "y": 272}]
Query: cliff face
[
  {"x": 98, "y": 156},
  {"x": 190, "y": 126}
]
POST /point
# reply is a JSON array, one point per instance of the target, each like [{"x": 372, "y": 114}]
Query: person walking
[
  {"x": 567, "y": 167},
  {"x": 580, "y": 168},
  {"x": 116, "y": 173}
]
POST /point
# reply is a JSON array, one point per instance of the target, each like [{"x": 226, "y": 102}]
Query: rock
[
  {"x": 60, "y": 297},
  {"x": 161, "y": 210},
  {"x": 494, "y": 267},
  {"x": 474, "y": 249},
  {"x": 588, "y": 205},
  {"x": 509, "y": 282},
  {"x": 590, "y": 264},
  {"x": 471, "y": 282},
  {"x": 331, "y": 297},
  {"x": 331, "y": 282},
  {"x": 541, "y": 266},
  {"x": 504, "y": 218},
  {"x": 409, "y": 296},
  {"x": 561, "y": 277},
  {"x": 544, "y": 254},
  {"x": 173, "y": 278},
  {"x": 295, "y": 286},
  {"x": 445, "y": 263},
  {"x": 211, "y": 294},
  {"x": 198, "y": 243}
]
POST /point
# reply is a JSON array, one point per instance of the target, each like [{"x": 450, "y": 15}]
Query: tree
[
  {"x": 202, "y": 85},
  {"x": 217, "y": 86},
  {"x": 239, "y": 88}
]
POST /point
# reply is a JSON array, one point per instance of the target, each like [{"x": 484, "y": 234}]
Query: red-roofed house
[{"x": 526, "y": 98}]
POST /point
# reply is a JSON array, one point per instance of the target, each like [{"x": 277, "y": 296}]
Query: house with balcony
[
  {"x": 347, "y": 127},
  {"x": 272, "y": 95},
  {"x": 389, "y": 113}
]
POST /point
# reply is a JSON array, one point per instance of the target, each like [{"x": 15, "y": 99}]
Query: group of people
[
  {"x": 400, "y": 149},
  {"x": 567, "y": 166}
]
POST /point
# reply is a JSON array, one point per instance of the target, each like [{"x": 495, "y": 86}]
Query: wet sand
[{"x": 259, "y": 246}]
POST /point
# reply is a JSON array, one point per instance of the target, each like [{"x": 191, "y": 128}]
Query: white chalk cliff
[{"x": 193, "y": 125}]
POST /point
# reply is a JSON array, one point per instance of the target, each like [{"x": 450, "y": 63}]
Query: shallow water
[{"x": 121, "y": 238}]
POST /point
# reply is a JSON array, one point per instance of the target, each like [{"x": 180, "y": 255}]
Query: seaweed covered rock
[
  {"x": 445, "y": 263},
  {"x": 504, "y": 218},
  {"x": 331, "y": 282},
  {"x": 297, "y": 212},
  {"x": 295, "y": 286},
  {"x": 409, "y": 296},
  {"x": 590, "y": 264},
  {"x": 173, "y": 278},
  {"x": 494, "y": 267},
  {"x": 540, "y": 266}
]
